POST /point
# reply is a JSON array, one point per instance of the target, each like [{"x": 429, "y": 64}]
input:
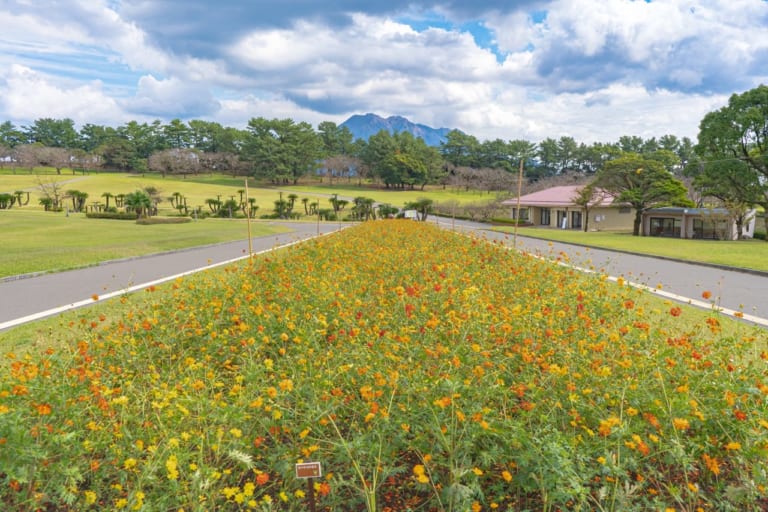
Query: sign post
[{"x": 309, "y": 471}]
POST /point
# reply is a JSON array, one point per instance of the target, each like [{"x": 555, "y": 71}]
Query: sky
[{"x": 593, "y": 70}]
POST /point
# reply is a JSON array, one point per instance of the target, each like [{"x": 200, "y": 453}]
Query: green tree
[
  {"x": 117, "y": 153},
  {"x": 11, "y": 136},
  {"x": 281, "y": 150},
  {"x": 210, "y": 137},
  {"x": 78, "y": 199},
  {"x": 139, "y": 202},
  {"x": 53, "y": 133},
  {"x": 362, "y": 208},
  {"x": 631, "y": 144},
  {"x": 588, "y": 197},
  {"x": 548, "y": 156},
  {"x": 402, "y": 160},
  {"x": 422, "y": 205},
  {"x": 642, "y": 183},
  {"x": 495, "y": 154},
  {"x": 732, "y": 182},
  {"x": 91, "y": 136},
  {"x": 460, "y": 149},
  {"x": 738, "y": 132},
  {"x": 336, "y": 140},
  {"x": 176, "y": 134}
]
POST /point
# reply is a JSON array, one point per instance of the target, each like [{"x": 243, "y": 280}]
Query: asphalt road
[
  {"x": 31, "y": 298},
  {"x": 732, "y": 290}
]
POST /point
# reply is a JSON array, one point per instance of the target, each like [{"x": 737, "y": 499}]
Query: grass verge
[
  {"x": 36, "y": 241},
  {"x": 750, "y": 254}
]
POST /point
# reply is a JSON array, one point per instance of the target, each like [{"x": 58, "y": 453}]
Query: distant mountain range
[{"x": 363, "y": 126}]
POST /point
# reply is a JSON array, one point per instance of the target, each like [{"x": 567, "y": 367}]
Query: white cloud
[
  {"x": 26, "y": 95},
  {"x": 171, "y": 98},
  {"x": 591, "y": 69}
]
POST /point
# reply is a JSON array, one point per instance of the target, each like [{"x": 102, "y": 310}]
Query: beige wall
[{"x": 611, "y": 219}]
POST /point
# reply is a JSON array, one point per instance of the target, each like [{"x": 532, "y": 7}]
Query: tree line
[
  {"x": 728, "y": 164},
  {"x": 282, "y": 151}
]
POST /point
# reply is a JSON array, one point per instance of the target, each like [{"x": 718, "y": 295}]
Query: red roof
[{"x": 558, "y": 196}]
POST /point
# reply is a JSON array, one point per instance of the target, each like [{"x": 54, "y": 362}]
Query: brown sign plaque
[{"x": 309, "y": 470}]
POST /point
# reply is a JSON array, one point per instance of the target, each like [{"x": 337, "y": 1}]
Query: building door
[
  {"x": 544, "y": 220},
  {"x": 562, "y": 219},
  {"x": 576, "y": 220}
]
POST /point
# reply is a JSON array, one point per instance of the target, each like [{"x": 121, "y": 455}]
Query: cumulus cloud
[
  {"x": 677, "y": 45},
  {"x": 171, "y": 98},
  {"x": 528, "y": 69},
  {"x": 26, "y": 95},
  {"x": 391, "y": 65}
]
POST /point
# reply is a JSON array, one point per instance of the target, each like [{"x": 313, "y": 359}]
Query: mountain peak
[{"x": 363, "y": 126}]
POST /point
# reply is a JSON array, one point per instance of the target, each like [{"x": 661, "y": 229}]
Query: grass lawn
[
  {"x": 37, "y": 241},
  {"x": 752, "y": 254},
  {"x": 196, "y": 189}
]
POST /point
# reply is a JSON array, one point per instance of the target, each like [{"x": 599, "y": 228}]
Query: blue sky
[{"x": 590, "y": 69}]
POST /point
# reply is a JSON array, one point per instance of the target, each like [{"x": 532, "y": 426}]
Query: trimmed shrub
[
  {"x": 144, "y": 221},
  {"x": 112, "y": 215}
]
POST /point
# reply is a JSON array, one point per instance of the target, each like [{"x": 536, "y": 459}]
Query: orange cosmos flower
[
  {"x": 712, "y": 464},
  {"x": 262, "y": 478},
  {"x": 43, "y": 409},
  {"x": 706, "y": 294}
]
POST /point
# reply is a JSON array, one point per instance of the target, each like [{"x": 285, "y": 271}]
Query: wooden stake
[
  {"x": 248, "y": 221},
  {"x": 519, "y": 191}
]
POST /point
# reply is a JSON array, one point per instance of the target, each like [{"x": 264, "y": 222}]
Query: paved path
[
  {"x": 35, "y": 297},
  {"x": 31, "y": 298},
  {"x": 734, "y": 290}
]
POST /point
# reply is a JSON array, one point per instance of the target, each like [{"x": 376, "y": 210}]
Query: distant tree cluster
[
  {"x": 731, "y": 161},
  {"x": 284, "y": 151},
  {"x": 728, "y": 165}
]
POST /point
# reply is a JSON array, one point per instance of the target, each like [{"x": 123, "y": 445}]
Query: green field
[
  {"x": 37, "y": 241},
  {"x": 198, "y": 188},
  {"x": 30, "y": 237},
  {"x": 751, "y": 254}
]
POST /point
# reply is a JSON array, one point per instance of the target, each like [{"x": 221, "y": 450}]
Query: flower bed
[{"x": 423, "y": 369}]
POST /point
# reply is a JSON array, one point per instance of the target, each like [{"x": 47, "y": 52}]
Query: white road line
[
  {"x": 763, "y": 322},
  {"x": 61, "y": 309}
]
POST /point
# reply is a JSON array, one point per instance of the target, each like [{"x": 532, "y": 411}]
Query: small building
[
  {"x": 555, "y": 207},
  {"x": 701, "y": 223}
]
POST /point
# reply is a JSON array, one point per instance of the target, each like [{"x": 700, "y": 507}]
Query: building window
[
  {"x": 665, "y": 226},
  {"x": 576, "y": 220},
  {"x": 710, "y": 229},
  {"x": 544, "y": 221},
  {"x": 523, "y": 214},
  {"x": 625, "y": 209}
]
